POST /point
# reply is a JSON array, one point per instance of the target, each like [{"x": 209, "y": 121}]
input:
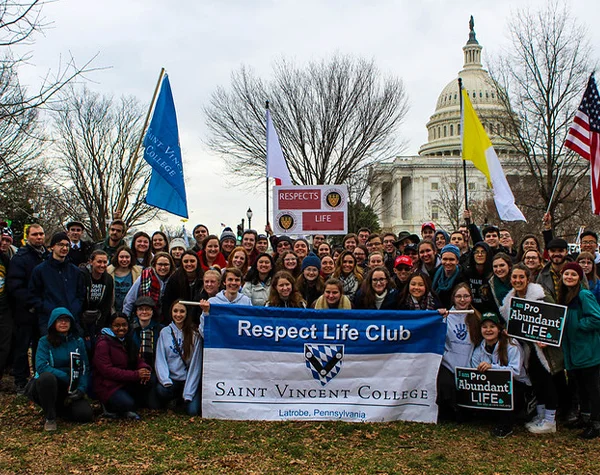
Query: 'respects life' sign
[{"x": 319, "y": 209}]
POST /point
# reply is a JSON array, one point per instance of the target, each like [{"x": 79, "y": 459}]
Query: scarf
[
  {"x": 150, "y": 284},
  {"x": 442, "y": 283},
  {"x": 425, "y": 303},
  {"x": 379, "y": 299},
  {"x": 501, "y": 289},
  {"x": 344, "y": 304}
]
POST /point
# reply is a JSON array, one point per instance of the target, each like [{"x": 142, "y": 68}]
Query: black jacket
[{"x": 17, "y": 283}]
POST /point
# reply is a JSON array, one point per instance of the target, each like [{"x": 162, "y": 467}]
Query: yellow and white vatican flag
[{"x": 477, "y": 147}]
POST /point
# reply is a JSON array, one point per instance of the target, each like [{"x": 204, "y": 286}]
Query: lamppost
[{"x": 249, "y": 216}]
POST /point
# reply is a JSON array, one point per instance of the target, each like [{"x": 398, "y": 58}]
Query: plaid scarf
[{"x": 150, "y": 284}]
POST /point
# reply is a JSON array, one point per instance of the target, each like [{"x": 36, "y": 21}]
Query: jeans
[{"x": 168, "y": 393}]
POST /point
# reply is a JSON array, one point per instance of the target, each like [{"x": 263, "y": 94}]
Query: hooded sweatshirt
[
  {"x": 169, "y": 362},
  {"x": 221, "y": 299},
  {"x": 57, "y": 360},
  {"x": 483, "y": 299}
]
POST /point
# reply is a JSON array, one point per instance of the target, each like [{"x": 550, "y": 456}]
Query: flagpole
[
  {"x": 555, "y": 184},
  {"x": 129, "y": 176},
  {"x": 464, "y": 163},
  {"x": 267, "y": 165}
]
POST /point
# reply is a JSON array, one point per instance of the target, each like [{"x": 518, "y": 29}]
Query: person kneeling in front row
[{"x": 62, "y": 369}]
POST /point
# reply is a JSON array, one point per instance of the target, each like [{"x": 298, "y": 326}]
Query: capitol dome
[{"x": 444, "y": 125}]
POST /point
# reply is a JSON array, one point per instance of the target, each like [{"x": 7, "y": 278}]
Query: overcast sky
[{"x": 200, "y": 42}]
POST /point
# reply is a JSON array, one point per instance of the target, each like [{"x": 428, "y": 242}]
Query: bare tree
[
  {"x": 541, "y": 79},
  {"x": 94, "y": 139},
  {"x": 334, "y": 118}
]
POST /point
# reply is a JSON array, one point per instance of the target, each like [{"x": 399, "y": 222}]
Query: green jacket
[{"x": 581, "y": 337}]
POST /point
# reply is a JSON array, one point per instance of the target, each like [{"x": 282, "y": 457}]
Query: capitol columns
[{"x": 396, "y": 213}]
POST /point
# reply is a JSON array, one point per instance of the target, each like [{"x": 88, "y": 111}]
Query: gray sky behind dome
[{"x": 200, "y": 42}]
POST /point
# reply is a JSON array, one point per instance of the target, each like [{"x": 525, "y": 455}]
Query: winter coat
[
  {"x": 551, "y": 357},
  {"x": 106, "y": 247},
  {"x": 174, "y": 290},
  {"x": 81, "y": 254},
  {"x": 258, "y": 293},
  {"x": 17, "y": 283},
  {"x": 56, "y": 284},
  {"x": 483, "y": 300},
  {"x": 111, "y": 367},
  {"x": 389, "y": 301},
  {"x": 136, "y": 331},
  {"x": 170, "y": 365},
  {"x": 581, "y": 337},
  {"x": 57, "y": 360},
  {"x": 544, "y": 278}
]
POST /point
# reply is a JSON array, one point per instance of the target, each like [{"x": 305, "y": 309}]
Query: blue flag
[{"x": 162, "y": 151}]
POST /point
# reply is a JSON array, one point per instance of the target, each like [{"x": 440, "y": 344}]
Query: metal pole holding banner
[{"x": 129, "y": 175}]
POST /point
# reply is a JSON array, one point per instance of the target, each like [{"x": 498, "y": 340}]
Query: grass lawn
[{"x": 175, "y": 443}]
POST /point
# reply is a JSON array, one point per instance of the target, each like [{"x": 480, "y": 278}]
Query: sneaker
[
  {"x": 134, "y": 416},
  {"x": 107, "y": 414},
  {"x": 536, "y": 420},
  {"x": 502, "y": 431},
  {"x": 543, "y": 427},
  {"x": 580, "y": 423},
  {"x": 20, "y": 389},
  {"x": 590, "y": 433},
  {"x": 50, "y": 425}
]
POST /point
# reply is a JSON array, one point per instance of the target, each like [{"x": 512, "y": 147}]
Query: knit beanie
[
  {"x": 451, "y": 248},
  {"x": 227, "y": 234},
  {"x": 58, "y": 237},
  {"x": 573, "y": 266},
  {"x": 311, "y": 260},
  {"x": 177, "y": 242}
]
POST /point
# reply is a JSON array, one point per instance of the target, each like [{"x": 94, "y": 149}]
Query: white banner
[{"x": 279, "y": 364}]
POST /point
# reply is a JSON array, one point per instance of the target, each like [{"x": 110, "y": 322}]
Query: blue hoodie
[{"x": 57, "y": 360}]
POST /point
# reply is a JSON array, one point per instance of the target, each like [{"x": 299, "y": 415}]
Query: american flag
[{"x": 584, "y": 137}]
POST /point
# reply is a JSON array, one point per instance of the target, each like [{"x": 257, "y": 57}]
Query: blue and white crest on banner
[{"x": 324, "y": 361}]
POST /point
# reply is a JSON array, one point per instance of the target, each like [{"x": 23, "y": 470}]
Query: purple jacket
[{"x": 111, "y": 368}]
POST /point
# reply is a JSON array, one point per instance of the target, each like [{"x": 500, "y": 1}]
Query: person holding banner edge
[
  {"x": 581, "y": 340},
  {"x": 543, "y": 361},
  {"x": 462, "y": 337}
]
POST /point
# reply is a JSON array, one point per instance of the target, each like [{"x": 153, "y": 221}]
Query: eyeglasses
[
  {"x": 589, "y": 242},
  {"x": 479, "y": 253},
  {"x": 379, "y": 281},
  {"x": 62, "y": 244},
  {"x": 532, "y": 258},
  {"x": 462, "y": 297}
]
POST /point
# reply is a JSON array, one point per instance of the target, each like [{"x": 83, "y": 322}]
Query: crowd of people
[{"x": 105, "y": 320}]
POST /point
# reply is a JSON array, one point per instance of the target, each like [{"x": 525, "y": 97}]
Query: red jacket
[{"x": 111, "y": 368}]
